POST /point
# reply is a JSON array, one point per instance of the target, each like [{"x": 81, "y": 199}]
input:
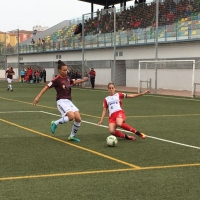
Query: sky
[{"x": 24, "y": 14}]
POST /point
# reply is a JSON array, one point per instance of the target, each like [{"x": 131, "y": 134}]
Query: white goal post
[{"x": 181, "y": 73}]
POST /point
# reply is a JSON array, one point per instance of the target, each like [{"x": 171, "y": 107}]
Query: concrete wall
[
  {"x": 129, "y": 58},
  {"x": 176, "y": 79}
]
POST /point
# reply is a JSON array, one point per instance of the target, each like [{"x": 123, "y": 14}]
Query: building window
[
  {"x": 58, "y": 56},
  {"x": 121, "y": 53}
]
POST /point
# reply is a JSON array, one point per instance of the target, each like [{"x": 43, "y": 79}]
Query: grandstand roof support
[
  {"x": 105, "y": 3},
  {"x": 92, "y": 7}
]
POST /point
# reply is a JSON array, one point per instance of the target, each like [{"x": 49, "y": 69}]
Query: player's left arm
[
  {"x": 80, "y": 81},
  {"x": 136, "y": 95}
]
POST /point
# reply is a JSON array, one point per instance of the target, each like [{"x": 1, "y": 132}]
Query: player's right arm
[
  {"x": 105, "y": 107},
  {"x": 51, "y": 84},
  {"x": 102, "y": 116},
  {"x": 37, "y": 98}
]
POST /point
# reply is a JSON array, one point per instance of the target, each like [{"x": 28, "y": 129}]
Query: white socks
[
  {"x": 75, "y": 128},
  {"x": 62, "y": 120}
]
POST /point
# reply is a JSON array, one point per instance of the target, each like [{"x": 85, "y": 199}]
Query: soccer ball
[{"x": 111, "y": 141}]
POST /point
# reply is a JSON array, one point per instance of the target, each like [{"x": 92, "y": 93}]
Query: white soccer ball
[{"x": 111, "y": 141}]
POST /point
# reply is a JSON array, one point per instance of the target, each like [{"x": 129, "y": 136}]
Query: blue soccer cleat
[
  {"x": 53, "y": 127},
  {"x": 73, "y": 139}
]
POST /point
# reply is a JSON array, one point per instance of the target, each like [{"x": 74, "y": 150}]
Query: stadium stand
[{"x": 135, "y": 24}]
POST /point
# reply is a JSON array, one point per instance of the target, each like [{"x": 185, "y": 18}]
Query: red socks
[
  {"x": 128, "y": 128},
  {"x": 119, "y": 134}
]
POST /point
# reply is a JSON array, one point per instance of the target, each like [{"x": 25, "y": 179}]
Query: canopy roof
[{"x": 105, "y": 2}]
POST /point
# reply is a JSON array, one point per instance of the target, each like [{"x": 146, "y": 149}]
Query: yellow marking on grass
[
  {"x": 73, "y": 145},
  {"x": 45, "y": 106},
  {"x": 148, "y": 116},
  {"x": 63, "y": 174},
  {"x": 171, "y": 166},
  {"x": 27, "y": 103},
  {"x": 98, "y": 172}
]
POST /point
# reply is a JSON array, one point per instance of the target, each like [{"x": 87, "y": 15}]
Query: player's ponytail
[{"x": 60, "y": 64}]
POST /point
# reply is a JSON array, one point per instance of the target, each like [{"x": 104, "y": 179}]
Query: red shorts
[{"x": 115, "y": 115}]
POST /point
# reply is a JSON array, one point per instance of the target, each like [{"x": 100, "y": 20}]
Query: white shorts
[
  {"x": 65, "y": 105},
  {"x": 9, "y": 80}
]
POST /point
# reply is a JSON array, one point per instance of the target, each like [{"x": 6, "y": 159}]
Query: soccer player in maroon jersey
[
  {"x": 113, "y": 103},
  {"x": 9, "y": 75},
  {"x": 62, "y": 84}
]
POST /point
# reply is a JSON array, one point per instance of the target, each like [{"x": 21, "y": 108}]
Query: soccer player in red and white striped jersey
[{"x": 113, "y": 103}]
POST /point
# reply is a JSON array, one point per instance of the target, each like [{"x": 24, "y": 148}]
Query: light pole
[{"x": 18, "y": 58}]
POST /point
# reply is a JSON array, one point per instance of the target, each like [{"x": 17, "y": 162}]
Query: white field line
[
  {"x": 156, "y": 138},
  {"x": 7, "y": 112}
]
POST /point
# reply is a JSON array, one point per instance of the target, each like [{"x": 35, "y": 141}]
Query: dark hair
[
  {"x": 111, "y": 83},
  {"x": 60, "y": 64}
]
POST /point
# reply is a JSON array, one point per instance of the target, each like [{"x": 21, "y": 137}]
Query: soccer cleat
[
  {"x": 7, "y": 89},
  {"x": 141, "y": 135},
  {"x": 73, "y": 139},
  {"x": 130, "y": 137},
  {"x": 53, "y": 127},
  {"x": 11, "y": 90}
]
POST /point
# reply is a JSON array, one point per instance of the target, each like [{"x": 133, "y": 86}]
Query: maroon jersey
[
  {"x": 62, "y": 86},
  {"x": 9, "y": 73}
]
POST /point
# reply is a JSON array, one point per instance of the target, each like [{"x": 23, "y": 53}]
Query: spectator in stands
[
  {"x": 181, "y": 10},
  {"x": 39, "y": 42},
  {"x": 188, "y": 11},
  {"x": 78, "y": 29},
  {"x": 43, "y": 44},
  {"x": 170, "y": 17},
  {"x": 132, "y": 23},
  {"x": 92, "y": 74},
  {"x": 32, "y": 41}
]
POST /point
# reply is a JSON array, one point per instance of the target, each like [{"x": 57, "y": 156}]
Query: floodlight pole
[
  {"x": 83, "y": 41},
  {"x": 156, "y": 46},
  {"x": 114, "y": 34},
  {"x": 18, "y": 57}
]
